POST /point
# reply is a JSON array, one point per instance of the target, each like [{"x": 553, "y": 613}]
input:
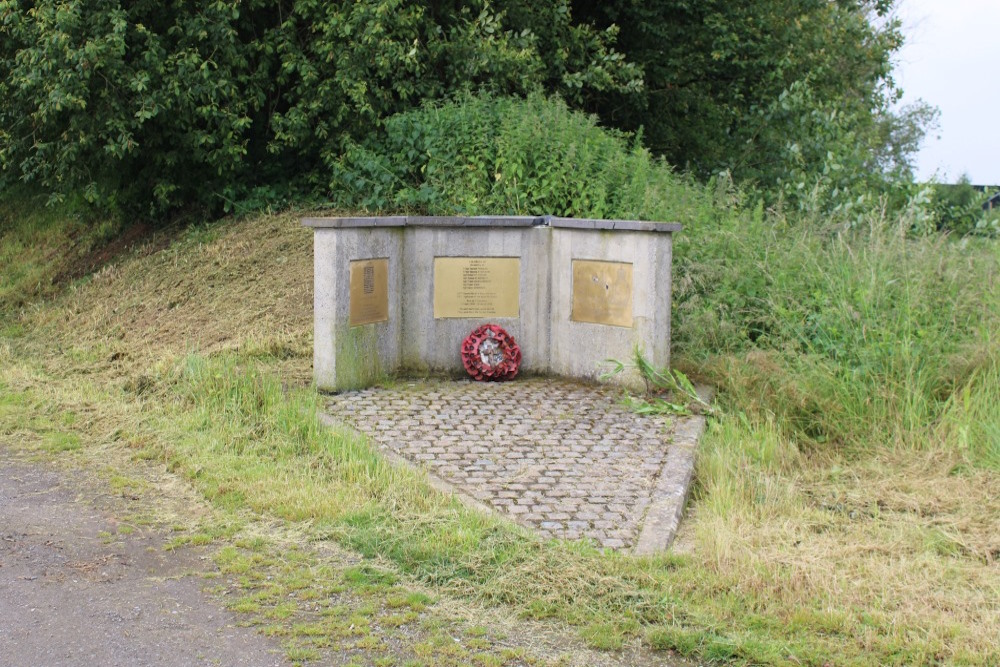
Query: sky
[{"x": 951, "y": 59}]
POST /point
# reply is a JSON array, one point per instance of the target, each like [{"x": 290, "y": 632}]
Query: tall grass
[
  {"x": 846, "y": 502},
  {"x": 846, "y": 335},
  {"x": 854, "y": 339},
  {"x": 971, "y": 418},
  {"x": 252, "y": 432}
]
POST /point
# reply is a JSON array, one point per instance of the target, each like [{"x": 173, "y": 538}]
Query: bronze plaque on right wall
[{"x": 602, "y": 292}]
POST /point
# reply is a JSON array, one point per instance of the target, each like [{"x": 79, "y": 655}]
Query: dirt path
[
  {"x": 85, "y": 580},
  {"x": 74, "y": 590}
]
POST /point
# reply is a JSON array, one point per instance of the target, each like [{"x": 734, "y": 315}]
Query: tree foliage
[
  {"x": 167, "y": 103},
  {"x": 155, "y": 105},
  {"x": 785, "y": 93}
]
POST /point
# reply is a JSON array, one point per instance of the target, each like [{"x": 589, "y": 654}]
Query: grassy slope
[
  {"x": 40, "y": 244},
  {"x": 198, "y": 355}
]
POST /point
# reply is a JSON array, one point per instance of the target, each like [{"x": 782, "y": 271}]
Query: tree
[
  {"x": 155, "y": 105},
  {"x": 768, "y": 90}
]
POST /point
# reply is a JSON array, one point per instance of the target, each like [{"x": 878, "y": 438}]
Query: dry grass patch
[
  {"x": 198, "y": 356},
  {"x": 245, "y": 286},
  {"x": 903, "y": 543}
]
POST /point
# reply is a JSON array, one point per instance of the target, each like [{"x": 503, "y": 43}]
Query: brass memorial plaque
[
  {"x": 369, "y": 291},
  {"x": 602, "y": 292},
  {"x": 477, "y": 287}
]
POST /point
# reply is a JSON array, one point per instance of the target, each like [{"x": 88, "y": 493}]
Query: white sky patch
[{"x": 951, "y": 60}]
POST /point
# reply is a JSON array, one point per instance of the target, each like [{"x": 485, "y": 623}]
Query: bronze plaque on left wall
[{"x": 369, "y": 291}]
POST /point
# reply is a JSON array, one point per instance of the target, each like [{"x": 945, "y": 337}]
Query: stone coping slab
[
  {"x": 490, "y": 221},
  {"x": 613, "y": 225},
  {"x": 566, "y": 459}
]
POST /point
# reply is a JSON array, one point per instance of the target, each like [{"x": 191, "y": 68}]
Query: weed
[
  {"x": 845, "y": 506},
  {"x": 61, "y": 442},
  {"x": 681, "y": 395},
  {"x": 603, "y": 636},
  {"x": 300, "y": 654}
]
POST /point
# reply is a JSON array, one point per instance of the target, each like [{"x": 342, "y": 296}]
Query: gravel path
[{"x": 75, "y": 591}]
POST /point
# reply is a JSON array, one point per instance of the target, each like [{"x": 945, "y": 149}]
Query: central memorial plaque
[
  {"x": 369, "y": 290},
  {"x": 476, "y": 287},
  {"x": 602, "y": 292}
]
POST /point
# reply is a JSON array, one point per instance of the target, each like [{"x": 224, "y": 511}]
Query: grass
[
  {"x": 847, "y": 491},
  {"x": 41, "y": 245}
]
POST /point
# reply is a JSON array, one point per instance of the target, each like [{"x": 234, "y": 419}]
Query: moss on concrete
[{"x": 358, "y": 361}]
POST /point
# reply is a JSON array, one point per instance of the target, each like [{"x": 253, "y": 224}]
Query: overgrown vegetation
[
  {"x": 150, "y": 107},
  {"x": 847, "y": 493}
]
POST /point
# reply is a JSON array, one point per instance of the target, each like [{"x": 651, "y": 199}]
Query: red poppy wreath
[{"x": 490, "y": 353}]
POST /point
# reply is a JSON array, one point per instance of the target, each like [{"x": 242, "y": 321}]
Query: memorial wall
[{"x": 401, "y": 293}]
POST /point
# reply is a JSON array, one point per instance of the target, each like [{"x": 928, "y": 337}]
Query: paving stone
[{"x": 564, "y": 458}]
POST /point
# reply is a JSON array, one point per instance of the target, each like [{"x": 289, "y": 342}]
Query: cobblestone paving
[{"x": 563, "y": 458}]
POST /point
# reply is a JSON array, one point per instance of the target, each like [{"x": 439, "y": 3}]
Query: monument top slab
[
  {"x": 613, "y": 225},
  {"x": 491, "y": 221}
]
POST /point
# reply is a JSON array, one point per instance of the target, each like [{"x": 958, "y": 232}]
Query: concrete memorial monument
[{"x": 403, "y": 293}]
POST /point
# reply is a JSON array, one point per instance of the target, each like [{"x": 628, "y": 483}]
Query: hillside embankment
[{"x": 190, "y": 350}]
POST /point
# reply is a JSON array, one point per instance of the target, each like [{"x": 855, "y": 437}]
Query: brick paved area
[{"x": 563, "y": 458}]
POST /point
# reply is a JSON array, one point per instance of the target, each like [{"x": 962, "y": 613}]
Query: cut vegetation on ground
[{"x": 847, "y": 493}]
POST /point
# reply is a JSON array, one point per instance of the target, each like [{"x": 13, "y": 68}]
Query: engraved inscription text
[{"x": 467, "y": 287}]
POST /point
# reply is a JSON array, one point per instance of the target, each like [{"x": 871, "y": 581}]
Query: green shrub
[
  {"x": 149, "y": 105},
  {"x": 489, "y": 155},
  {"x": 958, "y": 208}
]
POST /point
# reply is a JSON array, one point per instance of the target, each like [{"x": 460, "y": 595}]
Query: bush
[
  {"x": 854, "y": 331},
  {"x": 958, "y": 208},
  {"x": 488, "y": 155},
  {"x": 154, "y": 106}
]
